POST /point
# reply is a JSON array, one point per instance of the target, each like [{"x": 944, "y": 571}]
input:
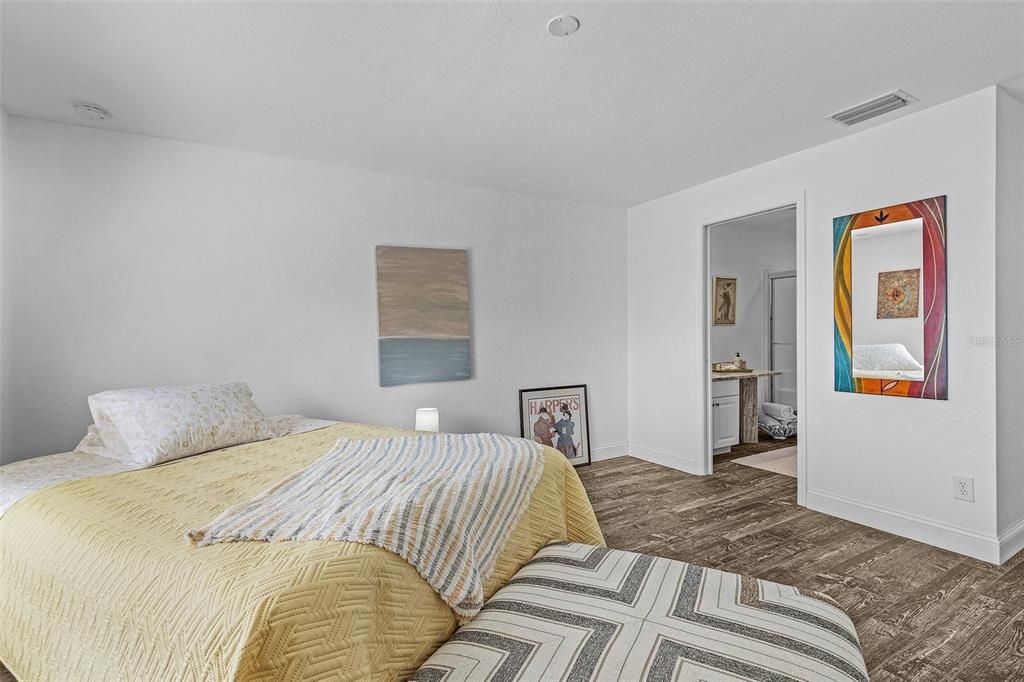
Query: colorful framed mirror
[{"x": 889, "y": 274}]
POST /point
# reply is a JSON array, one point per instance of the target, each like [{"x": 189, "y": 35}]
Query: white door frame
[{"x": 796, "y": 199}]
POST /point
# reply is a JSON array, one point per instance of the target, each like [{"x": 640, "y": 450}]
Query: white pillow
[
  {"x": 92, "y": 444},
  {"x": 147, "y": 426},
  {"x": 884, "y": 357}
]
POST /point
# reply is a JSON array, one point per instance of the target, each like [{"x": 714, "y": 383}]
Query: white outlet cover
[{"x": 963, "y": 488}]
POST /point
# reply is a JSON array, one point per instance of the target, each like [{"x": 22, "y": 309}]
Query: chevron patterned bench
[{"x": 578, "y": 612}]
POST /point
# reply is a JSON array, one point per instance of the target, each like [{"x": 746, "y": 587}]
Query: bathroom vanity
[{"x": 734, "y": 407}]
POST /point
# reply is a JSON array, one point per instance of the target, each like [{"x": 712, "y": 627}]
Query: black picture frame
[{"x": 558, "y": 396}]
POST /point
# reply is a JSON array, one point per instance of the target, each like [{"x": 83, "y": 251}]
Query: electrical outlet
[{"x": 963, "y": 488}]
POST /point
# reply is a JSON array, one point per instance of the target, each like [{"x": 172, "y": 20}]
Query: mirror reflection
[{"x": 887, "y": 320}]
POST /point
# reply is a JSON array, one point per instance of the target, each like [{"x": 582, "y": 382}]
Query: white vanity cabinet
[{"x": 725, "y": 410}]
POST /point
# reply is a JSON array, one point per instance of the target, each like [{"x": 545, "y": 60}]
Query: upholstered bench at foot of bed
[{"x": 578, "y": 612}]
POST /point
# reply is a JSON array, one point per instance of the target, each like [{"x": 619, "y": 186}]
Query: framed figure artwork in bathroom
[{"x": 724, "y": 311}]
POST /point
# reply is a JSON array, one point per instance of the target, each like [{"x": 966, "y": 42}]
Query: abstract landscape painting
[{"x": 423, "y": 315}]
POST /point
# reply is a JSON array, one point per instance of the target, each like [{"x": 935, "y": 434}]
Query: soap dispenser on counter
[{"x": 739, "y": 362}]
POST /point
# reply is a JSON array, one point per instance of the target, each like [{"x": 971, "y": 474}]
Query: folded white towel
[
  {"x": 778, "y": 410},
  {"x": 768, "y": 419},
  {"x": 776, "y": 428}
]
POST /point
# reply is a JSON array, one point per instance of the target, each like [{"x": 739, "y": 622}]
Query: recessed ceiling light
[
  {"x": 564, "y": 25},
  {"x": 93, "y": 112}
]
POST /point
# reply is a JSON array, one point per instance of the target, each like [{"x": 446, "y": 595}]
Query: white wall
[
  {"x": 870, "y": 255},
  {"x": 135, "y": 261},
  {"x": 1009, "y": 341},
  {"x": 884, "y": 461},
  {"x": 3, "y": 181}
]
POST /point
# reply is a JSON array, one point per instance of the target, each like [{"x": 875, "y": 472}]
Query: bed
[
  {"x": 886, "y": 361},
  {"x": 890, "y": 374},
  {"x": 101, "y": 584}
]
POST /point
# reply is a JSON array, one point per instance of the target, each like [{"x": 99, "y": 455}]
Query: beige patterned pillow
[
  {"x": 147, "y": 426},
  {"x": 92, "y": 444}
]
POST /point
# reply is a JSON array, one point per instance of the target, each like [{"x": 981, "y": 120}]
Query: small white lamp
[{"x": 427, "y": 419}]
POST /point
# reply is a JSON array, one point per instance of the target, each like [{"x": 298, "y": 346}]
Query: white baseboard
[
  {"x": 1011, "y": 541},
  {"x": 608, "y": 452},
  {"x": 960, "y": 540},
  {"x": 673, "y": 460}
]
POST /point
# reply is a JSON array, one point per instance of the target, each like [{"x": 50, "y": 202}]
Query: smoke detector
[
  {"x": 891, "y": 101},
  {"x": 93, "y": 112},
  {"x": 564, "y": 25}
]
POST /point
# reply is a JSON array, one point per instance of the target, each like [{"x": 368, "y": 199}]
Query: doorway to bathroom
[{"x": 753, "y": 340}]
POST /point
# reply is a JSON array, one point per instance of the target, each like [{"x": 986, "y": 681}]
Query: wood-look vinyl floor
[
  {"x": 765, "y": 444},
  {"x": 922, "y": 613}
]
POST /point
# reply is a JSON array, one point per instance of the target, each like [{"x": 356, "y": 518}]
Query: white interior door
[{"x": 782, "y": 328}]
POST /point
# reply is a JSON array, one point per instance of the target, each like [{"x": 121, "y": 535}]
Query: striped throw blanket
[{"x": 445, "y": 503}]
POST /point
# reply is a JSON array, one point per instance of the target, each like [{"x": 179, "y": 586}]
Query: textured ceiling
[{"x": 648, "y": 98}]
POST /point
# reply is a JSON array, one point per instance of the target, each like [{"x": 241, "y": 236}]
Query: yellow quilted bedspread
[{"x": 97, "y": 580}]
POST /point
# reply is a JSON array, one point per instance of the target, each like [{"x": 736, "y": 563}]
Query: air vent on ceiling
[
  {"x": 93, "y": 112},
  {"x": 892, "y": 101}
]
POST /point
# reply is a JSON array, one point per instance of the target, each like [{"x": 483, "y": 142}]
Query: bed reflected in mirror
[{"x": 888, "y": 325}]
